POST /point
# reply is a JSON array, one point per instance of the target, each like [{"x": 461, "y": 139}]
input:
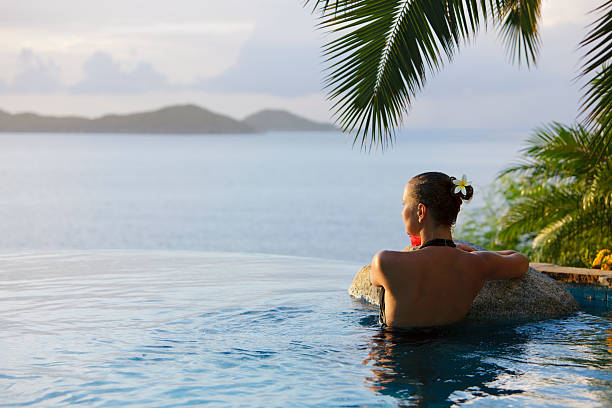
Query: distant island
[
  {"x": 269, "y": 120},
  {"x": 185, "y": 119}
]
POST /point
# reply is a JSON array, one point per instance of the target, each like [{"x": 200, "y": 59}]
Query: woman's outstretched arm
[{"x": 506, "y": 264}]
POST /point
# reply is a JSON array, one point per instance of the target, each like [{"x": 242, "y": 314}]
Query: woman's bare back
[{"x": 436, "y": 285}]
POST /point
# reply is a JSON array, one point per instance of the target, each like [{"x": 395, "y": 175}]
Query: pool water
[{"x": 180, "y": 328}]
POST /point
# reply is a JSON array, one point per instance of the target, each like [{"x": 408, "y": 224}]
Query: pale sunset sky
[{"x": 238, "y": 56}]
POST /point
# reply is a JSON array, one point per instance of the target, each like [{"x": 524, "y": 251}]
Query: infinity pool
[{"x": 167, "y": 329}]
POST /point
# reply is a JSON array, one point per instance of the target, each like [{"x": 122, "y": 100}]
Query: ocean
[{"x": 305, "y": 194}]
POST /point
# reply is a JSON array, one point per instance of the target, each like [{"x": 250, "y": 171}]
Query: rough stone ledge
[{"x": 574, "y": 275}]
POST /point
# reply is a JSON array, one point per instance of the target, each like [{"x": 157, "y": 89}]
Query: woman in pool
[{"x": 436, "y": 284}]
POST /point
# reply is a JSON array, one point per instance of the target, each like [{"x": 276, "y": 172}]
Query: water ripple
[{"x": 169, "y": 330}]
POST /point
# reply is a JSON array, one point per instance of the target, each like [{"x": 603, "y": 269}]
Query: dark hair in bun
[
  {"x": 436, "y": 191},
  {"x": 469, "y": 191}
]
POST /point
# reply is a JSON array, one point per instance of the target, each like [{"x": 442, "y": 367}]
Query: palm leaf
[
  {"x": 519, "y": 29},
  {"x": 555, "y": 152},
  {"x": 597, "y": 99},
  {"x": 600, "y": 186},
  {"x": 537, "y": 210},
  {"x": 385, "y": 49},
  {"x": 598, "y": 41},
  {"x": 577, "y": 232}
]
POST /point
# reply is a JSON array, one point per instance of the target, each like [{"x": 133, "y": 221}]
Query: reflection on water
[
  {"x": 450, "y": 365},
  {"x": 609, "y": 338},
  {"x": 523, "y": 364},
  {"x": 173, "y": 328}
]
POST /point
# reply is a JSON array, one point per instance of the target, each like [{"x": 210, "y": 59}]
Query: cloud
[
  {"x": 270, "y": 65},
  {"x": 480, "y": 88},
  {"x": 199, "y": 46},
  {"x": 104, "y": 75},
  {"x": 34, "y": 75},
  {"x": 184, "y": 28},
  {"x": 558, "y": 12}
]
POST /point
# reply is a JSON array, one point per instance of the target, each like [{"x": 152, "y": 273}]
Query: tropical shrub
[
  {"x": 566, "y": 196},
  {"x": 554, "y": 206}
]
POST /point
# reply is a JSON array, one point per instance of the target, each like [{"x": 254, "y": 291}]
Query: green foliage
[
  {"x": 556, "y": 203},
  {"x": 597, "y": 98},
  {"x": 383, "y": 50},
  {"x": 481, "y": 225}
]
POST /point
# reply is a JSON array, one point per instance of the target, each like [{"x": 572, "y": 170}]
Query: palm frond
[
  {"x": 519, "y": 29},
  {"x": 537, "y": 210},
  {"x": 555, "y": 152},
  {"x": 598, "y": 40},
  {"x": 596, "y": 106},
  {"x": 597, "y": 109},
  {"x": 524, "y": 168},
  {"x": 385, "y": 49},
  {"x": 600, "y": 185},
  {"x": 577, "y": 232}
]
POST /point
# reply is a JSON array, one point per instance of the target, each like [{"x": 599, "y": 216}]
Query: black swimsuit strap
[{"x": 439, "y": 242}]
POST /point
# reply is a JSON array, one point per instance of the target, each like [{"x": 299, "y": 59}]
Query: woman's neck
[{"x": 441, "y": 231}]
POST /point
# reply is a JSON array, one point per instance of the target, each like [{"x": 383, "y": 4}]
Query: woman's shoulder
[
  {"x": 387, "y": 260},
  {"x": 387, "y": 254},
  {"x": 386, "y": 264},
  {"x": 391, "y": 254}
]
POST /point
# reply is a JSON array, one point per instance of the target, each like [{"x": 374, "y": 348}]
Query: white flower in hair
[{"x": 460, "y": 185}]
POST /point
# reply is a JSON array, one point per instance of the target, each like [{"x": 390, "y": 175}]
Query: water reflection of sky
[{"x": 180, "y": 327}]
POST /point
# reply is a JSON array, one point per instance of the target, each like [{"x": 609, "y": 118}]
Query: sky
[{"x": 236, "y": 57}]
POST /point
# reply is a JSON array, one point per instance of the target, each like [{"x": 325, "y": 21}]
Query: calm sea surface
[{"x": 306, "y": 194}]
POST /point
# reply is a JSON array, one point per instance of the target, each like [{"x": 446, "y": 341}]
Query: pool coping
[{"x": 574, "y": 275}]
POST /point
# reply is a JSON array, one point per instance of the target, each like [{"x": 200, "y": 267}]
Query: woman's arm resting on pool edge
[{"x": 502, "y": 264}]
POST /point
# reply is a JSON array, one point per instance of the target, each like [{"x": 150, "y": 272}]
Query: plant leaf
[
  {"x": 384, "y": 50},
  {"x": 596, "y": 108}
]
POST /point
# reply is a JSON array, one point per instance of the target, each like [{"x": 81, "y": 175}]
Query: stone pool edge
[
  {"x": 590, "y": 287},
  {"x": 570, "y": 274}
]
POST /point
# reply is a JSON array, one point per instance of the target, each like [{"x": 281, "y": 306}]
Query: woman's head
[{"x": 436, "y": 192}]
